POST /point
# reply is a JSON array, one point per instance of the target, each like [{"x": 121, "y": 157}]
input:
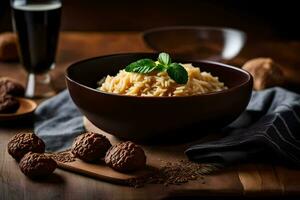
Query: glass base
[{"x": 39, "y": 86}]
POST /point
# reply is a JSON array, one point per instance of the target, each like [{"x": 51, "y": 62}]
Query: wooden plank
[
  {"x": 250, "y": 179},
  {"x": 259, "y": 179},
  {"x": 289, "y": 179}
]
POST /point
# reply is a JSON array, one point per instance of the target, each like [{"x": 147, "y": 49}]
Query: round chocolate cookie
[
  {"x": 23, "y": 143},
  {"x": 11, "y": 86},
  {"x": 8, "y": 104},
  {"x": 126, "y": 157},
  {"x": 90, "y": 146},
  {"x": 36, "y": 165}
]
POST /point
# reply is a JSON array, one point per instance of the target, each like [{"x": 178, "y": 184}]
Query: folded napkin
[
  {"x": 58, "y": 122},
  {"x": 269, "y": 130}
]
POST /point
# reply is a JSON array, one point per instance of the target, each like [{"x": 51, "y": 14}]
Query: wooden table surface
[{"x": 242, "y": 180}]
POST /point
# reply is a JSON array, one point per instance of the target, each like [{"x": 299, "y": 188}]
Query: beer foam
[{"x": 36, "y": 7}]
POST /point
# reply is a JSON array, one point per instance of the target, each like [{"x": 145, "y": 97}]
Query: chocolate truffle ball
[
  {"x": 8, "y": 47},
  {"x": 126, "y": 157},
  {"x": 36, "y": 165},
  {"x": 23, "y": 143},
  {"x": 11, "y": 87},
  {"x": 8, "y": 104},
  {"x": 266, "y": 73},
  {"x": 90, "y": 146}
]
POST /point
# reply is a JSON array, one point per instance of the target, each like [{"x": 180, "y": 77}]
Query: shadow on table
[
  {"x": 22, "y": 122},
  {"x": 54, "y": 179}
]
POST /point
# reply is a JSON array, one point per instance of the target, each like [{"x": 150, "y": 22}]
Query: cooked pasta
[{"x": 160, "y": 84}]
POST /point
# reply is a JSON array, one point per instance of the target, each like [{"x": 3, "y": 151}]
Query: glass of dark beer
[{"x": 37, "y": 23}]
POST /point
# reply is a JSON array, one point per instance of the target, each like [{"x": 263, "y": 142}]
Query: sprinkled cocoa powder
[
  {"x": 175, "y": 173},
  {"x": 64, "y": 156}
]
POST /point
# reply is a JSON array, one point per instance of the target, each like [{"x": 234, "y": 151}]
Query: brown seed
[{"x": 177, "y": 173}]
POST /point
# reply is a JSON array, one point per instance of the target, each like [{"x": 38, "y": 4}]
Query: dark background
[{"x": 260, "y": 19}]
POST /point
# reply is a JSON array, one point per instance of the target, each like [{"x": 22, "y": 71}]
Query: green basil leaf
[
  {"x": 161, "y": 68},
  {"x": 142, "y": 66},
  {"x": 164, "y": 58},
  {"x": 178, "y": 73}
]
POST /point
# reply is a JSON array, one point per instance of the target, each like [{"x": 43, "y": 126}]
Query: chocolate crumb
[{"x": 63, "y": 157}]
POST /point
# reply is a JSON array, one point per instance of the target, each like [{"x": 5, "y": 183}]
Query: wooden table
[{"x": 243, "y": 180}]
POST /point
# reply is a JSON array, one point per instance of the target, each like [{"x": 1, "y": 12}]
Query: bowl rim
[
  {"x": 215, "y": 28},
  {"x": 249, "y": 78}
]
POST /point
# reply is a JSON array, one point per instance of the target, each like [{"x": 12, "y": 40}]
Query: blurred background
[{"x": 260, "y": 19}]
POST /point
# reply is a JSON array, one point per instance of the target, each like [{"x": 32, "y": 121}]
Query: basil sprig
[
  {"x": 142, "y": 66},
  {"x": 177, "y": 73},
  {"x": 164, "y": 58},
  {"x": 164, "y": 63}
]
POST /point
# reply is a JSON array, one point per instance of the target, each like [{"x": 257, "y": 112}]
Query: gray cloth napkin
[
  {"x": 269, "y": 129},
  {"x": 58, "y": 122}
]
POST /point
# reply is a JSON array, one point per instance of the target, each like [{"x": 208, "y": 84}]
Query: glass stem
[
  {"x": 30, "y": 87},
  {"x": 38, "y": 86}
]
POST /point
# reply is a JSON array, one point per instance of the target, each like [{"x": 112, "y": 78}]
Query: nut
[
  {"x": 8, "y": 47},
  {"x": 8, "y": 104},
  {"x": 266, "y": 73},
  {"x": 23, "y": 143},
  {"x": 90, "y": 146},
  {"x": 126, "y": 157},
  {"x": 11, "y": 86},
  {"x": 36, "y": 165}
]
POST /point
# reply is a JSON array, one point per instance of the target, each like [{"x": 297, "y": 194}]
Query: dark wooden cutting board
[{"x": 102, "y": 171}]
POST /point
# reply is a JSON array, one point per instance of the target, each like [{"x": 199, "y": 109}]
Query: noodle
[{"x": 160, "y": 84}]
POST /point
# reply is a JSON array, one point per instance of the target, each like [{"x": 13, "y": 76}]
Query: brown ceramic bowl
[{"x": 156, "y": 118}]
